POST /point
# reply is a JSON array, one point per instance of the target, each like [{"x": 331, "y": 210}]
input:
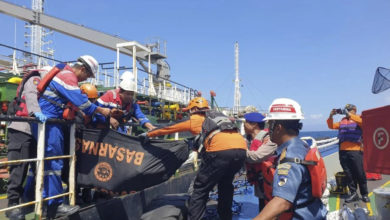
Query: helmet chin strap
[{"x": 271, "y": 129}]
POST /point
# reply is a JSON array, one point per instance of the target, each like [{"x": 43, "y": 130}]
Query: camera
[{"x": 340, "y": 111}]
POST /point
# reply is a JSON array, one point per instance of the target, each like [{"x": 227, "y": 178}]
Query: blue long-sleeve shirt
[{"x": 63, "y": 89}]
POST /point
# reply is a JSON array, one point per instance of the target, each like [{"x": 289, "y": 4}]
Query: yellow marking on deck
[
  {"x": 371, "y": 213},
  {"x": 3, "y": 197},
  {"x": 370, "y": 194},
  {"x": 338, "y": 202}
]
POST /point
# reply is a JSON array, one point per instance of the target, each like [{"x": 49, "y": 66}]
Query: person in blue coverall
[
  {"x": 292, "y": 191},
  {"x": 63, "y": 88},
  {"x": 121, "y": 99}
]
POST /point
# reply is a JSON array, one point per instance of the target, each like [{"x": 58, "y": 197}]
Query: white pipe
[
  {"x": 116, "y": 74},
  {"x": 72, "y": 165},
  {"x": 40, "y": 169},
  {"x": 135, "y": 67}
]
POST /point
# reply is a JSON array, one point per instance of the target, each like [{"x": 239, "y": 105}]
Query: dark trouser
[
  {"x": 352, "y": 164},
  {"x": 261, "y": 204},
  {"x": 216, "y": 168},
  {"x": 21, "y": 146}
]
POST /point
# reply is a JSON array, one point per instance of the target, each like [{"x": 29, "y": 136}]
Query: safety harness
[{"x": 214, "y": 123}]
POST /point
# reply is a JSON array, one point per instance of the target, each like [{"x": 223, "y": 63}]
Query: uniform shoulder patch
[{"x": 283, "y": 168}]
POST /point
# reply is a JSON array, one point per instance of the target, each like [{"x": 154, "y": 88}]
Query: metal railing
[{"x": 39, "y": 181}]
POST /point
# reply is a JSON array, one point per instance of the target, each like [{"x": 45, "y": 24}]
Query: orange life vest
[
  {"x": 317, "y": 170},
  {"x": 47, "y": 79},
  {"x": 253, "y": 170},
  {"x": 268, "y": 169},
  {"x": 69, "y": 109}
]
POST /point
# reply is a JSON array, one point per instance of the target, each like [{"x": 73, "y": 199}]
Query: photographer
[{"x": 351, "y": 152}]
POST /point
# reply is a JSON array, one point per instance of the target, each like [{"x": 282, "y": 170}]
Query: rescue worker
[
  {"x": 292, "y": 184},
  {"x": 122, "y": 99},
  {"x": 261, "y": 148},
  {"x": 351, "y": 152},
  {"x": 224, "y": 155},
  {"x": 85, "y": 121},
  {"x": 92, "y": 94},
  {"x": 63, "y": 88},
  {"x": 91, "y": 91},
  {"x": 22, "y": 144}
]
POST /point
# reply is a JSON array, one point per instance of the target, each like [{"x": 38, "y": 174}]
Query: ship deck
[{"x": 249, "y": 203}]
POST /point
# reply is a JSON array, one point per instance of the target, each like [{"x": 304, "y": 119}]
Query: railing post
[
  {"x": 72, "y": 165},
  {"x": 40, "y": 170}
]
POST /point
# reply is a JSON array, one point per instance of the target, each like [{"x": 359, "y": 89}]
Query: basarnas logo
[{"x": 103, "y": 172}]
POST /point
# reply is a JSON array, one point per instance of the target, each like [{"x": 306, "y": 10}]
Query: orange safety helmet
[
  {"x": 90, "y": 90},
  {"x": 199, "y": 102}
]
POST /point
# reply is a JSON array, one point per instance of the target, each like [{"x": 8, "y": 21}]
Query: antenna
[{"x": 237, "y": 95}]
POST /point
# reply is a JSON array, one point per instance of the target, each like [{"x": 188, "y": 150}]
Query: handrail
[
  {"x": 39, "y": 186},
  {"x": 322, "y": 143},
  {"x": 33, "y": 119},
  {"x": 329, "y": 144},
  {"x": 326, "y": 140}
]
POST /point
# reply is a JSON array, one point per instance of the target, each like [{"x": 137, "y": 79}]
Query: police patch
[
  {"x": 36, "y": 81},
  {"x": 284, "y": 166},
  {"x": 283, "y": 169},
  {"x": 282, "y": 180},
  {"x": 283, "y": 172}
]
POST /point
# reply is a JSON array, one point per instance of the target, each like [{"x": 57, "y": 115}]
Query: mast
[
  {"x": 237, "y": 95},
  {"x": 37, "y": 36}
]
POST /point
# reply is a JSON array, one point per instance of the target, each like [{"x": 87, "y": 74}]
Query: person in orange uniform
[
  {"x": 351, "y": 153},
  {"x": 225, "y": 153}
]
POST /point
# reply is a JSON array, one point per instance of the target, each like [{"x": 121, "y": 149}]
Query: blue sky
[{"x": 323, "y": 54}]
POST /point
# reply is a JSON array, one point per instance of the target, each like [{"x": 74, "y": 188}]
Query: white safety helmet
[
  {"x": 128, "y": 75},
  {"x": 128, "y": 85},
  {"x": 90, "y": 63},
  {"x": 284, "y": 109},
  {"x": 250, "y": 108},
  {"x": 44, "y": 70}
]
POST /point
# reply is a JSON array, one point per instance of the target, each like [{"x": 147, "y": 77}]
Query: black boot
[
  {"x": 352, "y": 198},
  {"x": 15, "y": 214},
  {"x": 56, "y": 211},
  {"x": 365, "y": 198}
]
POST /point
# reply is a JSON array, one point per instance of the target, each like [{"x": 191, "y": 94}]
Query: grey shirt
[
  {"x": 263, "y": 152},
  {"x": 31, "y": 96}
]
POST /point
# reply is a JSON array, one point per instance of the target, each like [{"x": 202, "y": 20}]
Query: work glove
[
  {"x": 117, "y": 114},
  {"x": 144, "y": 139},
  {"x": 40, "y": 116}
]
